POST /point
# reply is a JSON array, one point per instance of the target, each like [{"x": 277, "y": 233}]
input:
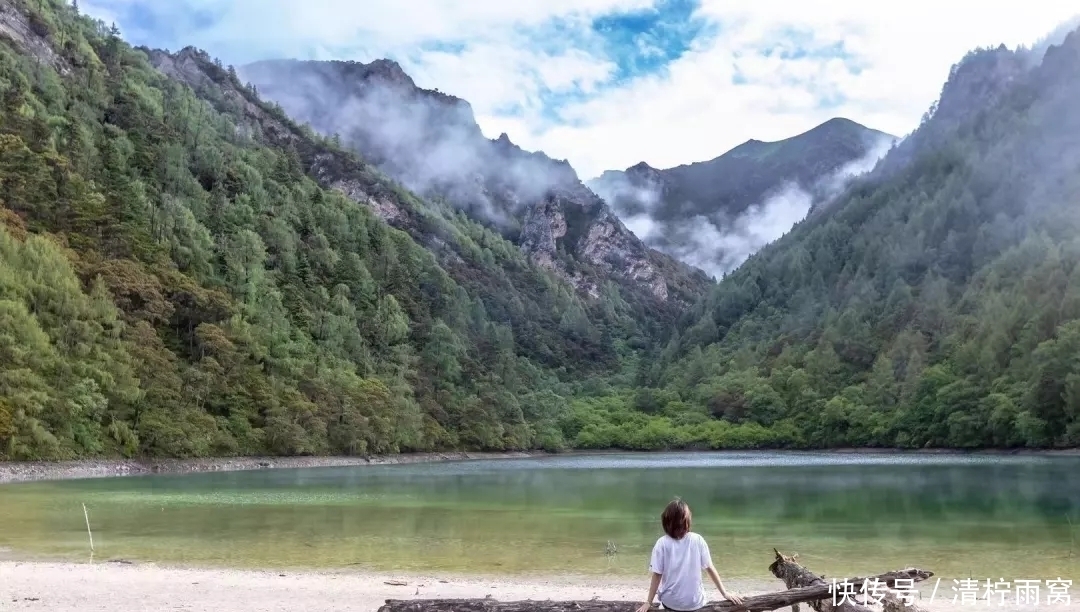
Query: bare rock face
[
  {"x": 31, "y": 34},
  {"x": 608, "y": 243},
  {"x": 544, "y": 226},
  {"x": 581, "y": 225}
]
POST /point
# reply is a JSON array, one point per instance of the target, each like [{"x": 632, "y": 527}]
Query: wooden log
[
  {"x": 795, "y": 575},
  {"x": 753, "y": 603}
]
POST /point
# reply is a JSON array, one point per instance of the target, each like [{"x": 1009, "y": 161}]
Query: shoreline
[{"x": 35, "y": 471}]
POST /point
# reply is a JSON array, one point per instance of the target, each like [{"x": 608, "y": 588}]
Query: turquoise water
[{"x": 957, "y": 515}]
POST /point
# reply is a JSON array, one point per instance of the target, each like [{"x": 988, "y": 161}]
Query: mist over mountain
[
  {"x": 430, "y": 141},
  {"x": 714, "y": 214}
]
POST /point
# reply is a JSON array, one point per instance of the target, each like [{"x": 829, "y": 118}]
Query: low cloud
[
  {"x": 428, "y": 141},
  {"x": 720, "y": 248},
  {"x": 831, "y": 186},
  {"x": 718, "y": 244}
]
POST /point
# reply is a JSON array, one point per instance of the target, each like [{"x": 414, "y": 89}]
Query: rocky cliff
[{"x": 431, "y": 143}]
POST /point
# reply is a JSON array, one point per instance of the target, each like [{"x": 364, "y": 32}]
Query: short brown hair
[{"x": 676, "y": 519}]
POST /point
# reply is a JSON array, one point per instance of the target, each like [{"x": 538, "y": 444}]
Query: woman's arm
[
  {"x": 735, "y": 599},
  {"x": 653, "y": 585},
  {"x": 707, "y": 565}
]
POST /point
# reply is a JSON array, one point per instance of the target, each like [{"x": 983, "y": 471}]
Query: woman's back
[
  {"x": 678, "y": 558},
  {"x": 680, "y": 563}
]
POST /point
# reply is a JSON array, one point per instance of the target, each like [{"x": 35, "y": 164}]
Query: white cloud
[
  {"x": 522, "y": 74},
  {"x": 695, "y": 113},
  {"x": 690, "y": 112}
]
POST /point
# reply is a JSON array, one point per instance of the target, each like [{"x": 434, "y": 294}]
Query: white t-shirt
[{"x": 680, "y": 563}]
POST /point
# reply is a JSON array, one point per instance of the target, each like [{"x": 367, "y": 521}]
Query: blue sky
[{"x": 608, "y": 83}]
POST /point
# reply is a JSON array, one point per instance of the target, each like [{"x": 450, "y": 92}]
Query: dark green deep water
[{"x": 957, "y": 515}]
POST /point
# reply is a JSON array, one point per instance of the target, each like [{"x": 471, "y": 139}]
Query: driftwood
[
  {"x": 795, "y": 575},
  {"x": 755, "y": 603}
]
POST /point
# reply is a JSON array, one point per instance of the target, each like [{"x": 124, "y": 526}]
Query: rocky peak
[
  {"x": 1063, "y": 57},
  {"x": 189, "y": 53},
  {"x": 642, "y": 172},
  {"x": 350, "y": 78},
  {"x": 388, "y": 71}
]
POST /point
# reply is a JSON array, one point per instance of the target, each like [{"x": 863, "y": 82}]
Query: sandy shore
[{"x": 84, "y": 587}]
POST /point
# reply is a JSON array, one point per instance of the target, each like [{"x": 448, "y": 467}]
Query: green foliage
[
  {"x": 176, "y": 280},
  {"x": 937, "y": 305}
]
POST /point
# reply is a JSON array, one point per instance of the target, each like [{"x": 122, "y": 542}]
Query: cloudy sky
[{"x": 609, "y": 83}]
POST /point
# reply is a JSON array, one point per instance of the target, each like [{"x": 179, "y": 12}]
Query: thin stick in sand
[{"x": 86, "y": 515}]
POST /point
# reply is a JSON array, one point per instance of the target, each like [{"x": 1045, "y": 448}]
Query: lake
[{"x": 957, "y": 515}]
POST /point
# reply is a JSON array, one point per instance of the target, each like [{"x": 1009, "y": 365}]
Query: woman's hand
[
  {"x": 644, "y": 607},
  {"x": 735, "y": 599}
]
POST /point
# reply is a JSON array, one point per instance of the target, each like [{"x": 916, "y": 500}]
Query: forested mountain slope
[
  {"x": 936, "y": 304},
  {"x": 756, "y": 183},
  {"x": 430, "y": 141},
  {"x": 186, "y": 271}
]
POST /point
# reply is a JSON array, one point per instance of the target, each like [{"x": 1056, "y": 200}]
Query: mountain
[
  {"x": 936, "y": 303},
  {"x": 714, "y": 214},
  {"x": 187, "y": 271},
  {"x": 431, "y": 143}
]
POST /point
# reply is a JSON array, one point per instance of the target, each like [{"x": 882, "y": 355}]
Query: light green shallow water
[{"x": 959, "y": 516}]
